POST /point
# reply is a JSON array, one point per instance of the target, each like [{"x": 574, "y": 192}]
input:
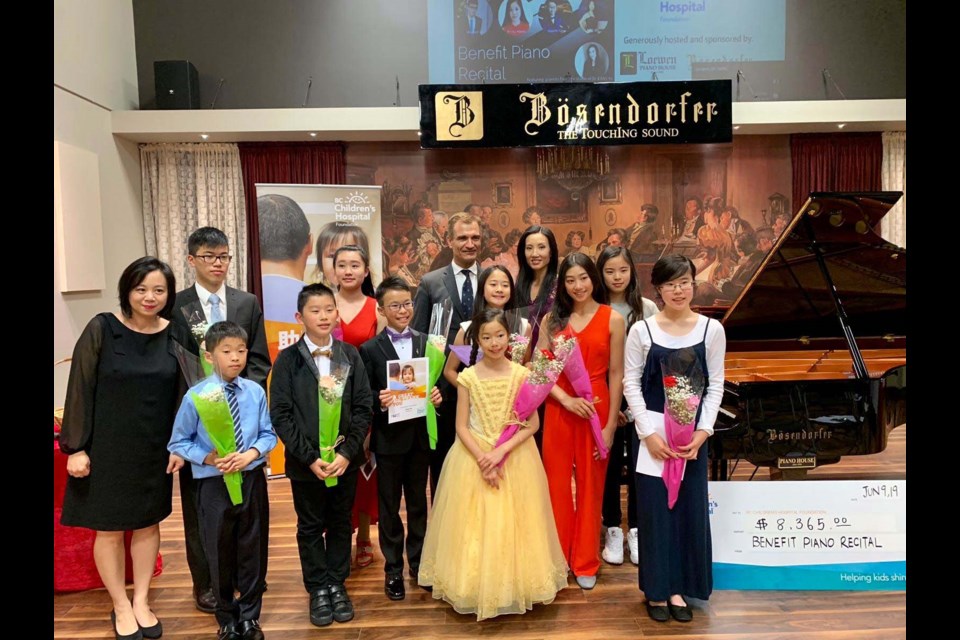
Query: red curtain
[
  {"x": 835, "y": 162},
  {"x": 284, "y": 163}
]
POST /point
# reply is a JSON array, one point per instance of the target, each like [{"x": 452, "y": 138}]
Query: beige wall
[{"x": 95, "y": 72}]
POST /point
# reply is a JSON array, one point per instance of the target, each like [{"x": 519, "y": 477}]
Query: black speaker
[{"x": 177, "y": 84}]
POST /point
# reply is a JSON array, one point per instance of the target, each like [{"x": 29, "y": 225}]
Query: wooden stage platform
[{"x": 613, "y": 610}]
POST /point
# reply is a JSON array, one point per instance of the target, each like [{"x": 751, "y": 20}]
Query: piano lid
[{"x": 789, "y": 296}]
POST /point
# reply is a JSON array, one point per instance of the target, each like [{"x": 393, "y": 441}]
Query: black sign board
[{"x": 560, "y": 114}]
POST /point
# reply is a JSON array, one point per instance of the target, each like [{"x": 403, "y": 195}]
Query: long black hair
[
  {"x": 366, "y": 287},
  {"x": 480, "y": 304},
  {"x": 491, "y": 314},
  {"x": 563, "y": 306},
  {"x": 526, "y": 275},
  {"x": 632, "y": 294}
]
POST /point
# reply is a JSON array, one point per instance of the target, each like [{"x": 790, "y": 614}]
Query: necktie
[
  {"x": 398, "y": 337},
  {"x": 466, "y": 294},
  {"x": 216, "y": 314},
  {"x": 231, "y": 388},
  {"x": 325, "y": 352}
]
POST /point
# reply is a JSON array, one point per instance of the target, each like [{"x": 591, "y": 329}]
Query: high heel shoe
[{"x": 136, "y": 635}]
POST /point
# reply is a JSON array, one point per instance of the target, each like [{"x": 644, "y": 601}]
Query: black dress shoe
[
  {"x": 228, "y": 632},
  {"x": 136, "y": 635},
  {"x": 680, "y": 614},
  {"x": 659, "y": 612},
  {"x": 250, "y": 630},
  {"x": 321, "y": 609},
  {"x": 206, "y": 600},
  {"x": 393, "y": 587},
  {"x": 342, "y": 607}
]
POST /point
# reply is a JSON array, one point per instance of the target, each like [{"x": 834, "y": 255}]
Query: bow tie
[
  {"x": 325, "y": 352},
  {"x": 397, "y": 337}
]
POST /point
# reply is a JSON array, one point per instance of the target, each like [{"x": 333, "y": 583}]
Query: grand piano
[{"x": 816, "y": 343}]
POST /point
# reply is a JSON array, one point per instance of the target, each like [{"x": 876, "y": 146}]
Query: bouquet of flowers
[
  {"x": 683, "y": 386},
  {"x": 214, "y": 412},
  {"x": 440, "y": 318},
  {"x": 329, "y": 397},
  {"x": 576, "y": 371},
  {"x": 198, "y": 328}
]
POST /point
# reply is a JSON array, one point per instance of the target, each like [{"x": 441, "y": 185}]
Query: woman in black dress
[{"x": 124, "y": 389}]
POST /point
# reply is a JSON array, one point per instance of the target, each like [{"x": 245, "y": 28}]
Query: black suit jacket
[
  {"x": 437, "y": 286},
  {"x": 399, "y": 437},
  {"x": 295, "y": 412},
  {"x": 244, "y": 309}
]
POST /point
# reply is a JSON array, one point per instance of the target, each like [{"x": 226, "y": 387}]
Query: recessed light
[
  {"x": 313, "y": 134},
  {"x": 204, "y": 136},
  {"x": 841, "y": 125}
]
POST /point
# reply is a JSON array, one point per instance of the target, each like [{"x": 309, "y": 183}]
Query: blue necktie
[
  {"x": 466, "y": 295},
  {"x": 216, "y": 314},
  {"x": 231, "y": 388}
]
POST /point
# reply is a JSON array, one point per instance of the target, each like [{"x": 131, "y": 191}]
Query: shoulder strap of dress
[
  {"x": 705, "y": 329},
  {"x": 649, "y": 333}
]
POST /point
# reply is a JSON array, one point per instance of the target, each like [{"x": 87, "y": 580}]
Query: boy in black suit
[
  {"x": 294, "y": 411},
  {"x": 402, "y": 448},
  {"x": 211, "y": 300}
]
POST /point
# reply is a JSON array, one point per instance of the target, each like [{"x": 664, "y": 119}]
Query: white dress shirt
[
  {"x": 323, "y": 362},
  {"x": 204, "y": 297}
]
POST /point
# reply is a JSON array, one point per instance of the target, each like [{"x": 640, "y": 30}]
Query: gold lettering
[
  {"x": 671, "y": 110},
  {"x": 697, "y": 111},
  {"x": 563, "y": 114},
  {"x": 597, "y": 113},
  {"x": 711, "y": 110},
  {"x": 539, "y": 111},
  {"x": 582, "y": 114},
  {"x": 653, "y": 113},
  {"x": 633, "y": 110},
  {"x": 614, "y": 114},
  {"x": 683, "y": 105}
]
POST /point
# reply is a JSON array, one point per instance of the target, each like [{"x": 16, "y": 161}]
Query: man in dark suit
[
  {"x": 209, "y": 301},
  {"x": 456, "y": 282},
  {"x": 472, "y": 23},
  {"x": 553, "y": 21},
  {"x": 402, "y": 448}
]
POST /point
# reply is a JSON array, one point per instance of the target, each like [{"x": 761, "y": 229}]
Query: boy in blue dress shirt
[{"x": 234, "y": 536}]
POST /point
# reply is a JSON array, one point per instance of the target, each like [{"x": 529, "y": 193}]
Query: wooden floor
[{"x": 613, "y": 610}]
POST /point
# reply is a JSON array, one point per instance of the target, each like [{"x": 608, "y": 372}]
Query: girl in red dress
[
  {"x": 358, "y": 322},
  {"x": 568, "y": 445}
]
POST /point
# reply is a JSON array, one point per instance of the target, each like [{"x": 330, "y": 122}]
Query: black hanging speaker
[{"x": 177, "y": 84}]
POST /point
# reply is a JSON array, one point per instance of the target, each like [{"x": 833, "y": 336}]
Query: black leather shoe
[
  {"x": 393, "y": 587},
  {"x": 680, "y": 614},
  {"x": 342, "y": 607},
  {"x": 228, "y": 632},
  {"x": 321, "y": 609},
  {"x": 659, "y": 612},
  {"x": 250, "y": 630},
  {"x": 206, "y": 601},
  {"x": 136, "y": 635}
]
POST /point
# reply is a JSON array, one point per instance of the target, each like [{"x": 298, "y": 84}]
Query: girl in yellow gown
[{"x": 491, "y": 546}]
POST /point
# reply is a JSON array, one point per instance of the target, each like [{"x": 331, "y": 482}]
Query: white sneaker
[
  {"x": 613, "y": 547},
  {"x": 632, "y": 544}
]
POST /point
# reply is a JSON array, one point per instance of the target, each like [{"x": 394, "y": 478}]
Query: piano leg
[{"x": 718, "y": 469}]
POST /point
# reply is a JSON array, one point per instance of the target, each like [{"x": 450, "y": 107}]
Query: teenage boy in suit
[
  {"x": 294, "y": 410},
  {"x": 211, "y": 300},
  {"x": 402, "y": 448}
]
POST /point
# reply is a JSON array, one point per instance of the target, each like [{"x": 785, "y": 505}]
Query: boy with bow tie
[
  {"x": 298, "y": 375},
  {"x": 402, "y": 448}
]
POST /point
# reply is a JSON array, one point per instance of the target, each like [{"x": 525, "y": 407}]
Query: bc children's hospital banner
[{"x": 301, "y": 226}]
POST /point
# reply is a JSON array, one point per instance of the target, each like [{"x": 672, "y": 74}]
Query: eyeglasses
[
  {"x": 210, "y": 259},
  {"x": 396, "y": 306},
  {"x": 678, "y": 286}
]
